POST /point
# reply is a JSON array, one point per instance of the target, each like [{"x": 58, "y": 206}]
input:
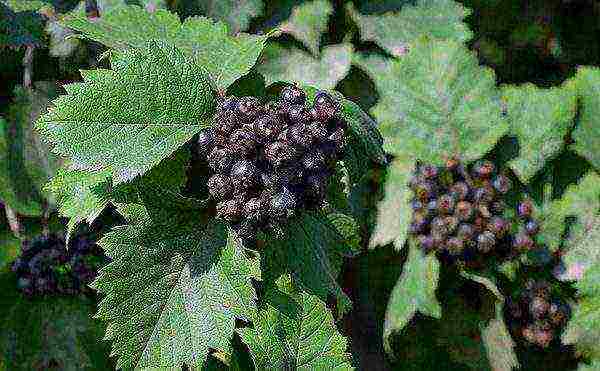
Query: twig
[
  {"x": 13, "y": 221},
  {"x": 28, "y": 66}
]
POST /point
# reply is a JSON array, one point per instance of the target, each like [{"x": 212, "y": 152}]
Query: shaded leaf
[
  {"x": 539, "y": 118},
  {"x": 394, "y": 211},
  {"x": 300, "y": 335},
  {"x": 289, "y": 64},
  {"x": 225, "y": 58},
  {"x": 379, "y": 69},
  {"x": 237, "y": 14},
  {"x": 173, "y": 291},
  {"x": 308, "y": 22},
  {"x": 440, "y": 103},
  {"x": 313, "y": 253},
  {"x": 498, "y": 343},
  {"x": 23, "y": 28},
  {"x": 397, "y": 31},
  {"x": 414, "y": 292},
  {"x": 129, "y": 119},
  {"x": 587, "y": 132},
  {"x": 26, "y": 163}
]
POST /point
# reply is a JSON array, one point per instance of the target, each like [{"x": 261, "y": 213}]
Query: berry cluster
[
  {"x": 46, "y": 267},
  {"x": 459, "y": 214},
  {"x": 269, "y": 161},
  {"x": 536, "y": 315}
]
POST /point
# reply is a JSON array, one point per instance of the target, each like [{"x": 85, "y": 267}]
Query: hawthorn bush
[{"x": 319, "y": 185}]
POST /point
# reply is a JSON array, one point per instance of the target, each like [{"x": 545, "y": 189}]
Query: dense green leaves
[
  {"x": 48, "y": 333},
  {"x": 396, "y": 32},
  {"x": 539, "y": 118},
  {"x": 312, "y": 252},
  {"x": 279, "y": 63},
  {"x": 173, "y": 291},
  {"x": 297, "y": 333},
  {"x": 414, "y": 292},
  {"x": 394, "y": 211},
  {"x": 308, "y": 22},
  {"x": 440, "y": 103},
  {"x": 587, "y": 133},
  {"x": 26, "y": 163},
  {"x": 129, "y": 119},
  {"x": 225, "y": 58}
]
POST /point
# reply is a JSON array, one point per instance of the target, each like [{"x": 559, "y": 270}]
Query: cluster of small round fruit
[
  {"x": 462, "y": 216},
  {"x": 47, "y": 267},
  {"x": 537, "y": 315},
  {"x": 269, "y": 161}
]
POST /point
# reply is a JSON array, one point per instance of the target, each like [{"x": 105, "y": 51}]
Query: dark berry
[
  {"x": 483, "y": 170},
  {"x": 338, "y": 139},
  {"x": 464, "y": 211},
  {"x": 418, "y": 224},
  {"x": 242, "y": 142},
  {"x": 244, "y": 173},
  {"x": 220, "y": 187},
  {"x": 438, "y": 226},
  {"x": 229, "y": 105},
  {"x": 525, "y": 209},
  {"x": 267, "y": 127},
  {"x": 325, "y": 107},
  {"x": 230, "y": 210},
  {"x": 558, "y": 313},
  {"x": 424, "y": 191},
  {"x": 429, "y": 172},
  {"x": 445, "y": 204},
  {"x": 297, "y": 114},
  {"x": 486, "y": 242},
  {"x": 416, "y": 205},
  {"x": 293, "y": 95},
  {"x": 532, "y": 227},
  {"x": 426, "y": 242},
  {"x": 314, "y": 160},
  {"x": 300, "y": 135},
  {"x": 279, "y": 153},
  {"x": 315, "y": 186},
  {"x": 465, "y": 232},
  {"x": 206, "y": 141},
  {"x": 502, "y": 184},
  {"x": 283, "y": 204},
  {"x": 538, "y": 307},
  {"x": 220, "y": 160},
  {"x": 523, "y": 242},
  {"x": 455, "y": 246},
  {"x": 484, "y": 194},
  {"x": 498, "y": 226},
  {"x": 245, "y": 230},
  {"x": 460, "y": 190},
  {"x": 319, "y": 132},
  {"x": 225, "y": 126},
  {"x": 248, "y": 107},
  {"x": 253, "y": 209},
  {"x": 497, "y": 207}
]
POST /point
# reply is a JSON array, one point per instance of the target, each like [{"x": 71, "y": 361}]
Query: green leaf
[
  {"x": 290, "y": 64},
  {"x": 414, "y": 292},
  {"x": 397, "y": 32},
  {"x": 129, "y": 119},
  {"x": 594, "y": 366},
  {"x": 26, "y": 163},
  {"x": 173, "y": 285},
  {"x": 587, "y": 133},
  {"x": 24, "y": 5},
  {"x": 440, "y": 103},
  {"x": 313, "y": 253},
  {"x": 583, "y": 202},
  {"x": 36, "y": 333},
  {"x": 235, "y": 13},
  {"x": 394, "y": 212},
  {"x": 498, "y": 343},
  {"x": 540, "y": 119},
  {"x": 24, "y": 28},
  {"x": 225, "y": 58},
  {"x": 300, "y": 335},
  {"x": 308, "y": 22},
  {"x": 9, "y": 250},
  {"x": 379, "y": 69}
]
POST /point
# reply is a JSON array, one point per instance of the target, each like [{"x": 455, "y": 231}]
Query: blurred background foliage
[{"x": 337, "y": 44}]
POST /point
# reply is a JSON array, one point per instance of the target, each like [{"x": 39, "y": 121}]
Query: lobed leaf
[
  {"x": 587, "y": 133},
  {"x": 396, "y": 32},
  {"x": 225, "y": 58},
  {"x": 312, "y": 252},
  {"x": 540, "y": 119},
  {"x": 414, "y": 292},
  {"x": 298, "y": 335},
  {"x": 289, "y": 64},
  {"x": 308, "y": 22},
  {"x": 130, "y": 118},
  {"x": 173, "y": 291},
  {"x": 440, "y": 103},
  {"x": 394, "y": 212}
]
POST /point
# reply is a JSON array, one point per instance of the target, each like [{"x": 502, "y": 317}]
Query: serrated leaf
[
  {"x": 300, "y": 335},
  {"x": 396, "y": 32},
  {"x": 313, "y": 253},
  {"x": 498, "y": 343},
  {"x": 24, "y": 5},
  {"x": 308, "y": 22},
  {"x": 173, "y": 291},
  {"x": 225, "y": 58},
  {"x": 414, "y": 292},
  {"x": 48, "y": 333},
  {"x": 587, "y": 133},
  {"x": 130, "y": 118},
  {"x": 23, "y": 28},
  {"x": 582, "y": 201},
  {"x": 440, "y": 103},
  {"x": 540, "y": 119},
  {"x": 26, "y": 163},
  {"x": 290, "y": 64},
  {"x": 394, "y": 211},
  {"x": 149, "y": 5},
  {"x": 235, "y": 13},
  {"x": 346, "y": 227},
  {"x": 379, "y": 69}
]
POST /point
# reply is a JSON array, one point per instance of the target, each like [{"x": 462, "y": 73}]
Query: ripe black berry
[
  {"x": 283, "y": 204},
  {"x": 230, "y": 210},
  {"x": 248, "y": 107},
  {"x": 293, "y": 95},
  {"x": 486, "y": 242},
  {"x": 502, "y": 184},
  {"x": 206, "y": 141},
  {"x": 525, "y": 209},
  {"x": 532, "y": 227},
  {"x": 220, "y": 160},
  {"x": 325, "y": 108},
  {"x": 314, "y": 160},
  {"x": 220, "y": 186},
  {"x": 280, "y": 153}
]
